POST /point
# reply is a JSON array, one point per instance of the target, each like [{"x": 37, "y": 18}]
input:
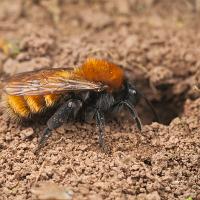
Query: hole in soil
[
  {"x": 167, "y": 110},
  {"x": 168, "y": 107}
]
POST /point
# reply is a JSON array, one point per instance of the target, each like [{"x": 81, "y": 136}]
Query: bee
[{"x": 90, "y": 91}]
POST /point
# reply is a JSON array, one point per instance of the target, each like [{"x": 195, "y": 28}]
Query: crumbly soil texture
[{"x": 157, "y": 43}]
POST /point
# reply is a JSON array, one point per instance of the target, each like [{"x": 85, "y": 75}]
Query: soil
[{"x": 157, "y": 43}]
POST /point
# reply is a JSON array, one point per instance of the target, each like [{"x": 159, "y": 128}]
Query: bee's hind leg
[{"x": 64, "y": 113}]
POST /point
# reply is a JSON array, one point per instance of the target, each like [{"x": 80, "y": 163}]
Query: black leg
[
  {"x": 132, "y": 111},
  {"x": 100, "y": 121},
  {"x": 103, "y": 103},
  {"x": 133, "y": 114},
  {"x": 67, "y": 111},
  {"x": 44, "y": 137}
]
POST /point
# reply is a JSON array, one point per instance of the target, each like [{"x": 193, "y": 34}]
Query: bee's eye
[
  {"x": 133, "y": 96},
  {"x": 132, "y": 92}
]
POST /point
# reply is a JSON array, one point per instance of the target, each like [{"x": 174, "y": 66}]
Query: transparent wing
[{"x": 48, "y": 81}]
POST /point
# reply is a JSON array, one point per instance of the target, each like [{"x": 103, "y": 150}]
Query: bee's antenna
[{"x": 150, "y": 106}]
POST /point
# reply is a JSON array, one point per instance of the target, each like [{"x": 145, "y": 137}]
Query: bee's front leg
[
  {"x": 124, "y": 103},
  {"x": 65, "y": 112}
]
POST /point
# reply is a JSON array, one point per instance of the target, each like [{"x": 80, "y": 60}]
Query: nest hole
[{"x": 167, "y": 107}]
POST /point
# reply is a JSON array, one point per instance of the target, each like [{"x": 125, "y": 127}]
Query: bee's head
[{"x": 132, "y": 95}]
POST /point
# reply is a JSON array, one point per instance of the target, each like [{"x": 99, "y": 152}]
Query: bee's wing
[{"x": 48, "y": 81}]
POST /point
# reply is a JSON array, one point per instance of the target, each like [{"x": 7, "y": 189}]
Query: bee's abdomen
[
  {"x": 18, "y": 105},
  {"x": 35, "y": 103},
  {"x": 51, "y": 99},
  {"x": 25, "y": 106}
]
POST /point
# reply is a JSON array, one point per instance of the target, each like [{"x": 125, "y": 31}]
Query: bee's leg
[
  {"x": 134, "y": 114},
  {"x": 64, "y": 113},
  {"x": 100, "y": 121},
  {"x": 45, "y": 135},
  {"x": 132, "y": 111},
  {"x": 103, "y": 104}
]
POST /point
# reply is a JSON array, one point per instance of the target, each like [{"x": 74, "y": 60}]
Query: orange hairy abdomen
[
  {"x": 102, "y": 71},
  {"x": 25, "y": 106}
]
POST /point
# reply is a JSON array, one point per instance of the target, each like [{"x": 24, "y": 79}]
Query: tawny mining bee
[{"x": 90, "y": 91}]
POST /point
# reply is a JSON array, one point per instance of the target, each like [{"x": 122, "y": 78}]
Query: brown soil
[{"x": 158, "y": 45}]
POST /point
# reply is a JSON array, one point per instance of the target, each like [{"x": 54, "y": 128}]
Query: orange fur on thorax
[{"x": 101, "y": 71}]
